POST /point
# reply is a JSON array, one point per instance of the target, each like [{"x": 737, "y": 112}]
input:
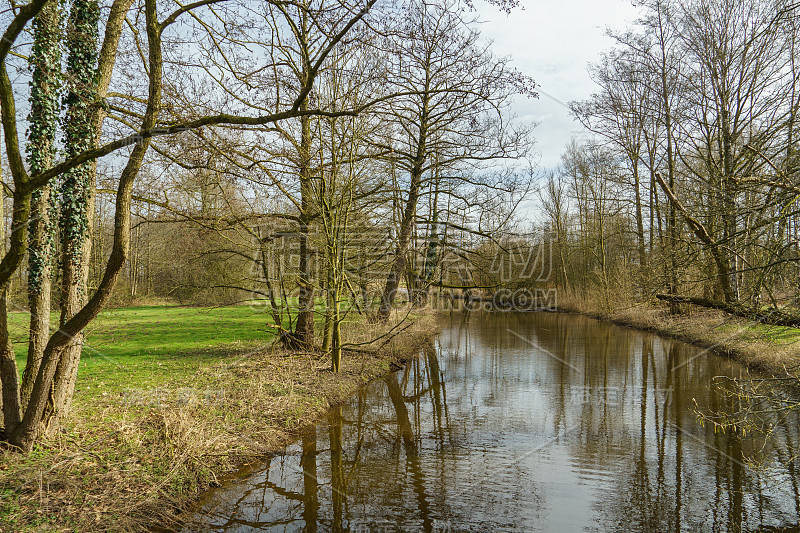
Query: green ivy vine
[
  {"x": 46, "y": 79},
  {"x": 79, "y": 129}
]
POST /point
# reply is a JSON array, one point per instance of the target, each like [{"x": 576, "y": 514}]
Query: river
[{"x": 514, "y": 422}]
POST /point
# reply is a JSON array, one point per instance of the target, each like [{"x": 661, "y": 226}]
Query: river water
[{"x": 528, "y": 422}]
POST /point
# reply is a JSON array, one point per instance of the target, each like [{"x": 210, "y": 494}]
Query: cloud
[{"x": 554, "y": 42}]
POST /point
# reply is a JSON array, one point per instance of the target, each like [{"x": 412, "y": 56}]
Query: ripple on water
[{"x": 530, "y": 422}]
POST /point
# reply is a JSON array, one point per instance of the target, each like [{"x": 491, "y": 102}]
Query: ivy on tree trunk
[
  {"x": 46, "y": 79},
  {"x": 76, "y": 189}
]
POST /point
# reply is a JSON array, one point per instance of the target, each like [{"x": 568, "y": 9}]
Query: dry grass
[
  {"x": 127, "y": 463},
  {"x": 771, "y": 349}
]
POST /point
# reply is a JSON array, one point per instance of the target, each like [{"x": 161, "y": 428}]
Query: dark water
[{"x": 528, "y": 422}]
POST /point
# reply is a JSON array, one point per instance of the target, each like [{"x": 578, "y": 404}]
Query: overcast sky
[{"x": 553, "y": 41}]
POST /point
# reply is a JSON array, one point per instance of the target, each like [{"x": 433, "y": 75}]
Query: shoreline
[
  {"x": 763, "y": 348},
  {"x": 138, "y": 462}
]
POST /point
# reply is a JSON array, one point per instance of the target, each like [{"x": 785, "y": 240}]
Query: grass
[
  {"x": 157, "y": 346},
  {"x": 776, "y": 335},
  {"x": 168, "y": 401}
]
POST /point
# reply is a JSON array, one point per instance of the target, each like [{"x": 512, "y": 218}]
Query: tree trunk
[
  {"x": 9, "y": 376},
  {"x": 8, "y": 368},
  {"x": 327, "y": 338},
  {"x": 304, "y": 328},
  {"x": 74, "y": 276},
  {"x": 728, "y": 278},
  {"x": 28, "y": 430},
  {"x": 39, "y": 287},
  {"x": 639, "y": 224},
  {"x": 45, "y": 104},
  {"x": 406, "y": 225},
  {"x": 336, "y": 342},
  {"x": 77, "y": 246},
  {"x": 77, "y": 189},
  {"x": 401, "y": 251},
  {"x": 672, "y": 218}
]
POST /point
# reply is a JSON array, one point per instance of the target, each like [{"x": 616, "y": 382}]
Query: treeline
[
  {"x": 317, "y": 159},
  {"x": 399, "y": 199},
  {"x": 689, "y": 183}
]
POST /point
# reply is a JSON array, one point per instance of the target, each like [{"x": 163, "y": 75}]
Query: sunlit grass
[
  {"x": 149, "y": 347},
  {"x": 780, "y": 335}
]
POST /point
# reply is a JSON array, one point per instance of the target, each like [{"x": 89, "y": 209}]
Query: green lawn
[
  {"x": 150, "y": 347},
  {"x": 168, "y": 401}
]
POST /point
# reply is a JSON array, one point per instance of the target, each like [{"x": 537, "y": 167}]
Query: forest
[
  {"x": 338, "y": 169},
  {"x": 278, "y": 154},
  {"x": 687, "y": 187}
]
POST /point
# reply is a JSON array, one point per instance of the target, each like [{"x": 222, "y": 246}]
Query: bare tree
[
  {"x": 450, "y": 111},
  {"x": 148, "y": 123}
]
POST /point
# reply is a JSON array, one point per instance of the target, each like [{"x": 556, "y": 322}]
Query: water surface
[{"x": 528, "y": 422}]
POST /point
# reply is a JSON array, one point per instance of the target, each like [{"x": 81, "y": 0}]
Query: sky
[{"x": 553, "y": 42}]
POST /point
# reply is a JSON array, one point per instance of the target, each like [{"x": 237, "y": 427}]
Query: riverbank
[
  {"x": 137, "y": 455},
  {"x": 774, "y": 350}
]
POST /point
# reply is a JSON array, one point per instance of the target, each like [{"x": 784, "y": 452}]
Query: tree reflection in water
[{"x": 528, "y": 422}]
